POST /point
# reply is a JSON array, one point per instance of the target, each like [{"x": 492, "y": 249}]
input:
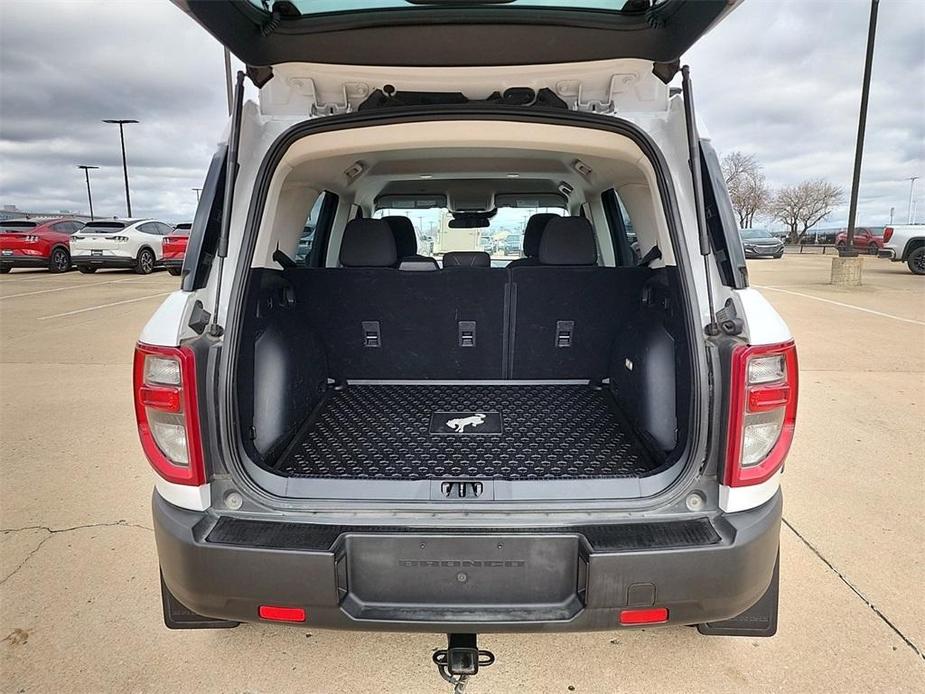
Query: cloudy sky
[{"x": 778, "y": 78}]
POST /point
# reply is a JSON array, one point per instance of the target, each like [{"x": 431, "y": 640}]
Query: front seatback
[
  {"x": 406, "y": 241},
  {"x": 567, "y": 311},
  {"x": 533, "y": 235}
]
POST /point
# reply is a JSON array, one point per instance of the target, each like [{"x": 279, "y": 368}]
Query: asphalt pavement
[{"x": 79, "y": 597}]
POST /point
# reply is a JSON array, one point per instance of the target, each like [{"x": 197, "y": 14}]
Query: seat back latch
[
  {"x": 371, "y": 335},
  {"x": 467, "y": 333},
  {"x": 564, "y": 330}
]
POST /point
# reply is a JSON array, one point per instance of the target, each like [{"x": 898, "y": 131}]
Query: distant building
[{"x": 13, "y": 212}]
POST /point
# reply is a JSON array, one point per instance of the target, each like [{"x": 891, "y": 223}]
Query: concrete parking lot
[{"x": 79, "y": 599}]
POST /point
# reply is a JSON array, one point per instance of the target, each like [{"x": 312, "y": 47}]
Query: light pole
[
  {"x": 86, "y": 169},
  {"x": 121, "y": 122},
  {"x": 198, "y": 191},
  {"x": 849, "y": 249},
  {"x": 912, "y": 180}
]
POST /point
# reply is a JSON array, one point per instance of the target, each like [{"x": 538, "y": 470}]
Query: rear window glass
[
  {"x": 502, "y": 239},
  {"x": 17, "y": 226},
  {"x": 754, "y": 234},
  {"x": 182, "y": 229},
  {"x": 103, "y": 227},
  {"x": 308, "y": 7}
]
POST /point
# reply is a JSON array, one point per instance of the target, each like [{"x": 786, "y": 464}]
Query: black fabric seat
[
  {"x": 568, "y": 309},
  {"x": 533, "y": 234},
  {"x": 368, "y": 243},
  {"x": 406, "y": 241},
  {"x": 457, "y": 259}
]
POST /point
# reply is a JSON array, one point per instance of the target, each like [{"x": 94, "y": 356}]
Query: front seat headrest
[
  {"x": 533, "y": 232},
  {"x": 466, "y": 259},
  {"x": 406, "y": 241},
  {"x": 568, "y": 241},
  {"x": 368, "y": 243}
]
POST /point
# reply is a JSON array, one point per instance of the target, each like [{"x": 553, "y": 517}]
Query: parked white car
[
  {"x": 905, "y": 244},
  {"x": 119, "y": 243}
]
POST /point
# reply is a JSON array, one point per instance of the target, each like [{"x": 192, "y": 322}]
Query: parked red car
[
  {"x": 865, "y": 238},
  {"x": 37, "y": 243},
  {"x": 174, "y": 245}
]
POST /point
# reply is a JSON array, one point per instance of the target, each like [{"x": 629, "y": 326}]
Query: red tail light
[
  {"x": 762, "y": 412},
  {"x": 887, "y": 234},
  {"x": 167, "y": 413}
]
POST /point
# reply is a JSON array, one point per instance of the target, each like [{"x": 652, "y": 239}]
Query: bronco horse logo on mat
[{"x": 459, "y": 425}]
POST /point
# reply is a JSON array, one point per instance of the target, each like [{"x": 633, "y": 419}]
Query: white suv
[
  {"x": 126, "y": 243},
  {"x": 402, "y": 420}
]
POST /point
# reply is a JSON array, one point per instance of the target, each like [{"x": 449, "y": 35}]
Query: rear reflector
[
  {"x": 281, "y": 614},
  {"x": 649, "y": 615}
]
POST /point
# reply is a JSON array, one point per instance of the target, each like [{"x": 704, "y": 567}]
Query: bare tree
[
  {"x": 747, "y": 187},
  {"x": 803, "y": 206}
]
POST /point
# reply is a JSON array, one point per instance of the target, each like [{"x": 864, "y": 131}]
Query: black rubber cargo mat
[{"x": 510, "y": 432}]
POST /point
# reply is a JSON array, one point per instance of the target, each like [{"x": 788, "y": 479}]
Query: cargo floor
[{"x": 509, "y": 432}]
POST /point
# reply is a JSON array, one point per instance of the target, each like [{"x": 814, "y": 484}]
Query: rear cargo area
[
  {"x": 528, "y": 374},
  {"x": 471, "y": 431}
]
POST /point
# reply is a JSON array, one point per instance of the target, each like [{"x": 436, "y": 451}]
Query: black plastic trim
[{"x": 618, "y": 537}]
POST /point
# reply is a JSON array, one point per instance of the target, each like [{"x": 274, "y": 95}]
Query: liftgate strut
[{"x": 461, "y": 659}]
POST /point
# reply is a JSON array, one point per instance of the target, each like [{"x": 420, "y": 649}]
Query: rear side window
[
  {"x": 317, "y": 226},
  {"x": 626, "y": 248}
]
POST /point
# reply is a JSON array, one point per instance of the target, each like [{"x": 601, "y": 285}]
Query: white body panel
[
  {"x": 901, "y": 236},
  {"x": 182, "y": 495}
]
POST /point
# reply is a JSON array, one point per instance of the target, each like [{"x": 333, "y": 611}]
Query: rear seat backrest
[
  {"x": 377, "y": 322},
  {"x": 567, "y": 311}
]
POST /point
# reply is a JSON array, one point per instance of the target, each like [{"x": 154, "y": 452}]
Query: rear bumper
[
  {"x": 172, "y": 262},
  {"x": 104, "y": 261},
  {"x": 23, "y": 261},
  {"x": 887, "y": 253},
  {"x": 497, "y": 580}
]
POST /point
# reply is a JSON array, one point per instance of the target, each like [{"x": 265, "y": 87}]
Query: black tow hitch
[{"x": 461, "y": 659}]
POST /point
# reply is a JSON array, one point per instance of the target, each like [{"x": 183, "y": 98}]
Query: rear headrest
[
  {"x": 533, "y": 232},
  {"x": 568, "y": 241},
  {"x": 368, "y": 243},
  {"x": 406, "y": 242},
  {"x": 418, "y": 264},
  {"x": 466, "y": 259}
]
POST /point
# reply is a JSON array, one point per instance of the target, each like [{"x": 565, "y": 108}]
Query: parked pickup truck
[{"x": 905, "y": 244}]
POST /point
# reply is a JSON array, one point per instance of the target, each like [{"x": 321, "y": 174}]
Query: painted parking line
[
  {"x": 101, "y": 306},
  {"x": 839, "y": 303},
  {"x": 61, "y": 289}
]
